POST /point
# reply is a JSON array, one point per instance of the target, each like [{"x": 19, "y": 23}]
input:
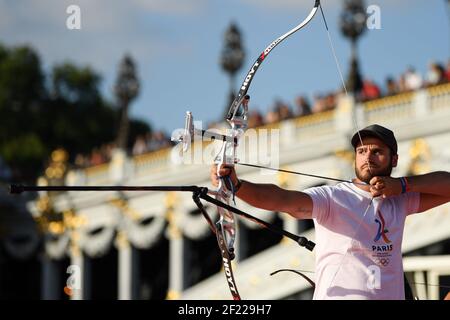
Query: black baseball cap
[{"x": 377, "y": 131}]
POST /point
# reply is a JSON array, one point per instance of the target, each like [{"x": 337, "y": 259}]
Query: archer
[{"x": 359, "y": 224}]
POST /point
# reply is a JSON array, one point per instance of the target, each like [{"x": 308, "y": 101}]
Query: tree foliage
[{"x": 39, "y": 113}]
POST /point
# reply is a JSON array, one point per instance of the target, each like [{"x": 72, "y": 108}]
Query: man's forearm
[
  {"x": 259, "y": 195},
  {"x": 437, "y": 183}
]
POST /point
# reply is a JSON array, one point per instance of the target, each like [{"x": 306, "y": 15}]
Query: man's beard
[{"x": 368, "y": 175}]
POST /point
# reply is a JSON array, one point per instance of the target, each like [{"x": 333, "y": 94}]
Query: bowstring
[{"x": 355, "y": 123}]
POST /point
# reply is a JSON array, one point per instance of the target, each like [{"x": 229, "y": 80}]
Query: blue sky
[{"x": 177, "y": 44}]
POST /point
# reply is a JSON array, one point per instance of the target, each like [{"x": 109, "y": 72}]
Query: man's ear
[{"x": 394, "y": 160}]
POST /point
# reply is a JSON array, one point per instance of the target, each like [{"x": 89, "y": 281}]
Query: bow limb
[
  {"x": 238, "y": 121},
  {"x": 251, "y": 73},
  {"x": 237, "y": 118}
]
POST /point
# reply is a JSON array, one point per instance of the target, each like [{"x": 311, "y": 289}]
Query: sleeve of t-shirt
[
  {"x": 411, "y": 202},
  {"x": 321, "y": 197}
]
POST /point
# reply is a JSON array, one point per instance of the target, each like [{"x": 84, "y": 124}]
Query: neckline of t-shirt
[{"x": 355, "y": 188}]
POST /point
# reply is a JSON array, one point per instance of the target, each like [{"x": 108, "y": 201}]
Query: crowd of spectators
[
  {"x": 410, "y": 80},
  {"x": 151, "y": 141},
  {"x": 96, "y": 157},
  {"x": 281, "y": 110}
]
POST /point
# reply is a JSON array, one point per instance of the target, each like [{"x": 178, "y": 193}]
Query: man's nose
[{"x": 368, "y": 156}]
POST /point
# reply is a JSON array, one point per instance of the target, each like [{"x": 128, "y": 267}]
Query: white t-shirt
[{"x": 359, "y": 258}]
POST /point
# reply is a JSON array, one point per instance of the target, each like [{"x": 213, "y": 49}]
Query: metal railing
[{"x": 399, "y": 107}]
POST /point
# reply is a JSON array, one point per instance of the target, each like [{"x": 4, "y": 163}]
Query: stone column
[
  {"x": 78, "y": 278},
  {"x": 176, "y": 261},
  {"x": 128, "y": 269},
  {"x": 49, "y": 281}
]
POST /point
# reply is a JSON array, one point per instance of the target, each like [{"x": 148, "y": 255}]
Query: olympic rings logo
[{"x": 382, "y": 261}]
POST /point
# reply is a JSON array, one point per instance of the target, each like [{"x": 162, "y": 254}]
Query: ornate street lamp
[
  {"x": 232, "y": 57},
  {"x": 353, "y": 24},
  {"x": 126, "y": 89}
]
